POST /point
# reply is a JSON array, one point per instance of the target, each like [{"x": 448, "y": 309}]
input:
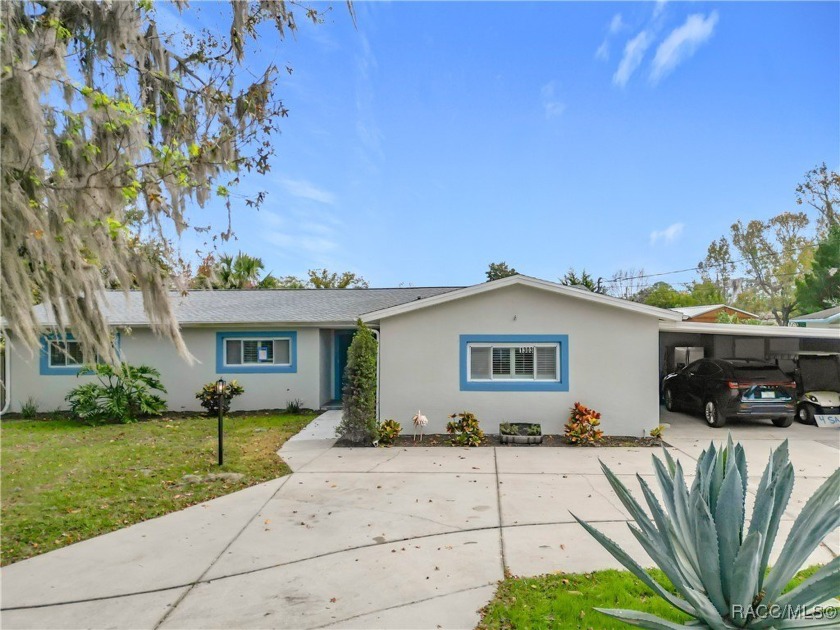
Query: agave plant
[{"x": 716, "y": 562}]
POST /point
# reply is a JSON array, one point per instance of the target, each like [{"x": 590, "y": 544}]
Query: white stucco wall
[
  {"x": 182, "y": 381},
  {"x": 613, "y": 362}
]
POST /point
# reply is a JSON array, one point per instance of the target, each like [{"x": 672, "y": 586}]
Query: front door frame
[{"x": 338, "y": 369}]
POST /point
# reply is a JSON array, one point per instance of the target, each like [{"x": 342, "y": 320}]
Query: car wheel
[
  {"x": 784, "y": 421},
  {"x": 805, "y": 414},
  {"x": 670, "y": 403},
  {"x": 713, "y": 416}
]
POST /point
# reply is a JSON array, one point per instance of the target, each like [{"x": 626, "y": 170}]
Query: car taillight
[{"x": 732, "y": 385}]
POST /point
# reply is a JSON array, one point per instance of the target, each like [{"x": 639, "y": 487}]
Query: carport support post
[{"x": 220, "y": 390}]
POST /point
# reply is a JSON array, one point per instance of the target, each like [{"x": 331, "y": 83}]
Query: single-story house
[
  {"x": 829, "y": 318},
  {"x": 710, "y": 312},
  {"x": 515, "y": 349},
  {"x": 518, "y": 348}
]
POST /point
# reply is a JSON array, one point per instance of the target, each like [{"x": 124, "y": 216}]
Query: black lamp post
[{"x": 220, "y": 390}]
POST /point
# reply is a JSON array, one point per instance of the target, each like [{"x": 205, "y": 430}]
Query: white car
[{"x": 818, "y": 380}]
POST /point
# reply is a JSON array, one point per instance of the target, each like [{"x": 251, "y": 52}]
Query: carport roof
[
  {"x": 528, "y": 281},
  {"x": 745, "y": 330}
]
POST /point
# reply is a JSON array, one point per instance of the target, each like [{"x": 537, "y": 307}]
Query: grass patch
[
  {"x": 63, "y": 482},
  {"x": 568, "y": 600}
]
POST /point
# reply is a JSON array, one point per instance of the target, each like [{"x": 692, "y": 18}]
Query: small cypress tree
[{"x": 358, "y": 419}]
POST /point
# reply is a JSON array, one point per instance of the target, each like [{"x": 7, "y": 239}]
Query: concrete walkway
[{"x": 366, "y": 538}]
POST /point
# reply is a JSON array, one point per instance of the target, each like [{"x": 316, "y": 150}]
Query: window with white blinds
[
  {"x": 514, "y": 362},
  {"x": 257, "y": 351}
]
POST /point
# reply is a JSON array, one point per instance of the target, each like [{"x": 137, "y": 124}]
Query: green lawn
[
  {"x": 63, "y": 482},
  {"x": 568, "y": 600}
]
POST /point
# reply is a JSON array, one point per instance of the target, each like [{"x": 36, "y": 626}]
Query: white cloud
[
  {"x": 658, "y": 8},
  {"x": 668, "y": 235},
  {"x": 615, "y": 26},
  {"x": 634, "y": 52},
  {"x": 552, "y": 106},
  {"x": 311, "y": 245},
  {"x": 682, "y": 42},
  {"x": 306, "y": 190},
  {"x": 603, "y": 52},
  {"x": 367, "y": 129},
  {"x": 301, "y": 234}
]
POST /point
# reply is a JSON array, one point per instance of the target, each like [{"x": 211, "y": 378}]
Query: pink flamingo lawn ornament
[{"x": 420, "y": 421}]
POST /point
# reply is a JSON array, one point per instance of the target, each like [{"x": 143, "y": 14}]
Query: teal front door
[{"x": 343, "y": 338}]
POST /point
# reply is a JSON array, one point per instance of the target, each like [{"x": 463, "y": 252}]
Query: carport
[{"x": 683, "y": 342}]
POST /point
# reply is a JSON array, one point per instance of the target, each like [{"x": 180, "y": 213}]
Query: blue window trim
[
  {"x": 270, "y": 368},
  {"x": 65, "y": 370},
  {"x": 515, "y": 386}
]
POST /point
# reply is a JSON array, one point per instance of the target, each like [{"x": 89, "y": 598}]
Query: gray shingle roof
[
  {"x": 820, "y": 315},
  {"x": 694, "y": 311},
  {"x": 304, "y": 306}
]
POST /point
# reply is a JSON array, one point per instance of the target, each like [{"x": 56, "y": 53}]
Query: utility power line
[{"x": 713, "y": 266}]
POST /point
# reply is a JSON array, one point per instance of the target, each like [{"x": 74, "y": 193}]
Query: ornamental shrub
[
  {"x": 210, "y": 398},
  {"x": 582, "y": 427},
  {"x": 464, "y": 429},
  {"x": 358, "y": 418},
  {"x": 123, "y": 394},
  {"x": 389, "y": 431}
]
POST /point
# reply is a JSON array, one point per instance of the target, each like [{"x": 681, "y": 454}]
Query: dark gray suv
[{"x": 732, "y": 388}]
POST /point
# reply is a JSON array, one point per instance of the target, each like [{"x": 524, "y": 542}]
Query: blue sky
[{"x": 433, "y": 138}]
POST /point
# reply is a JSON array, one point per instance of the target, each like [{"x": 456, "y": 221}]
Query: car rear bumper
[{"x": 763, "y": 409}]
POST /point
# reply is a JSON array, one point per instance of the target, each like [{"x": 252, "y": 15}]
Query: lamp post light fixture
[{"x": 220, "y": 391}]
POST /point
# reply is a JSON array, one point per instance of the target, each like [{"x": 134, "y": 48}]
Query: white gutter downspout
[
  {"x": 378, "y": 346},
  {"x": 7, "y": 360}
]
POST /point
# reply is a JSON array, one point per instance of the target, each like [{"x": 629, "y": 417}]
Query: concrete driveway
[{"x": 366, "y": 538}]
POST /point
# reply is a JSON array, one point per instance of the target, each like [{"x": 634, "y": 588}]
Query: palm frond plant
[
  {"x": 717, "y": 563},
  {"x": 124, "y": 393}
]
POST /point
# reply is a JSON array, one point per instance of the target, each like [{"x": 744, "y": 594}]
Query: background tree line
[
  {"x": 244, "y": 271},
  {"x": 786, "y": 265}
]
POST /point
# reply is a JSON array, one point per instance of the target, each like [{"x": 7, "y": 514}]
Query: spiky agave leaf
[
  {"x": 699, "y": 541},
  {"x": 696, "y": 598},
  {"x": 631, "y": 565},
  {"x": 643, "y": 620},
  {"x": 818, "y": 588},
  {"x": 708, "y": 554},
  {"x": 820, "y": 516},
  {"x": 729, "y": 523},
  {"x": 745, "y": 578}
]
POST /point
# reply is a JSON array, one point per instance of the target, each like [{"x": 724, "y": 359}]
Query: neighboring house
[
  {"x": 710, "y": 312},
  {"x": 829, "y": 318}
]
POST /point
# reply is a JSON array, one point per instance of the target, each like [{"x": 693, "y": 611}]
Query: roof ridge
[{"x": 282, "y": 289}]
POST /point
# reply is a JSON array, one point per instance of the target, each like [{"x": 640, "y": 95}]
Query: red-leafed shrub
[{"x": 582, "y": 427}]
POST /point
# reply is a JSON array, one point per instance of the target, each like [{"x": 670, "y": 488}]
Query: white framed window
[
  {"x": 514, "y": 362},
  {"x": 61, "y": 354},
  {"x": 253, "y": 351}
]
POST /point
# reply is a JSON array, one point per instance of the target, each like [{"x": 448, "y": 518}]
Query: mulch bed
[{"x": 438, "y": 439}]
